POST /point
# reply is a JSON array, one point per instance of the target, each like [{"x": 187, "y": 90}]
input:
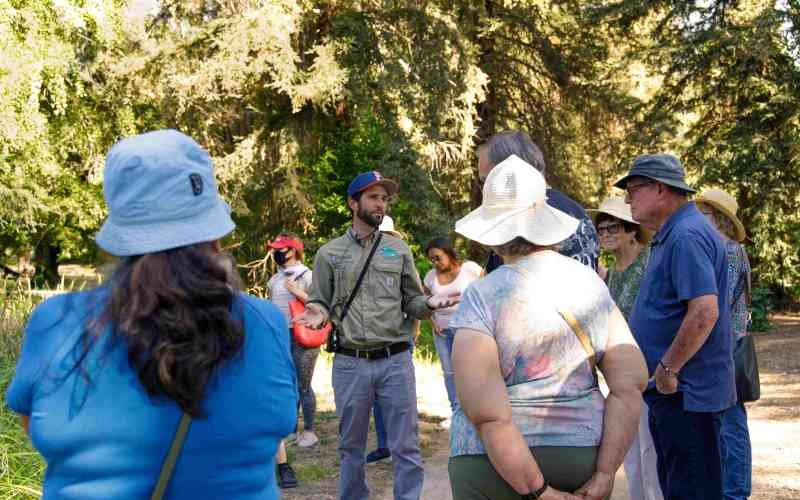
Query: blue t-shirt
[
  {"x": 687, "y": 260},
  {"x": 106, "y": 438}
]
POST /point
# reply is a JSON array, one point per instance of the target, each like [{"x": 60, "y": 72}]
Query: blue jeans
[
  {"x": 688, "y": 448},
  {"x": 737, "y": 460},
  {"x": 444, "y": 348},
  {"x": 380, "y": 427}
]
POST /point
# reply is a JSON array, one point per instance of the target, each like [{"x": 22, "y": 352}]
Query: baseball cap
[
  {"x": 366, "y": 180},
  {"x": 284, "y": 241}
]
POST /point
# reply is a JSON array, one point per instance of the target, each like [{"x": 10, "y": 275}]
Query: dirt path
[{"x": 774, "y": 427}]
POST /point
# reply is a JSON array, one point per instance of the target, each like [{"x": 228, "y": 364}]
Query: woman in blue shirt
[{"x": 105, "y": 376}]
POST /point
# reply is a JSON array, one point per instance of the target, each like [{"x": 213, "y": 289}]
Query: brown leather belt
[{"x": 380, "y": 353}]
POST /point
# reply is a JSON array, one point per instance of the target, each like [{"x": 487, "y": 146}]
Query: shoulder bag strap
[
  {"x": 739, "y": 289},
  {"x": 353, "y": 293},
  {"x": 583, "y": 338},
  {"x": 576, "y": 328},
  {"x": 172, "y": 457}
]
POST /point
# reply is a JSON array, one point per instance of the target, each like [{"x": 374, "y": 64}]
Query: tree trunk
[
  {"x": 487, "y": 111},
  {"x": 46, "y": 260}
]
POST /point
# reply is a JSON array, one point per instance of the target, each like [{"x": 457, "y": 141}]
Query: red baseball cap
[{"x": 284, "y": 241}]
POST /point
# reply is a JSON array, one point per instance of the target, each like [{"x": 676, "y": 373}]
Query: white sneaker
[
  {"x": 307, "y": 439},
  {"x": 290, "y": 439}
]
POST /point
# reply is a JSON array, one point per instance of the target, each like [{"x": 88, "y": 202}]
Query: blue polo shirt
[{"x": 687, "y": 260}]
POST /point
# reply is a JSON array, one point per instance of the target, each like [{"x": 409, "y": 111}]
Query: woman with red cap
[{"x": 292, "y": 281}]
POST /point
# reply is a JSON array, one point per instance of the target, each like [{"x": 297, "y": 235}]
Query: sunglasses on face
[{"x": 609, "y": 228}]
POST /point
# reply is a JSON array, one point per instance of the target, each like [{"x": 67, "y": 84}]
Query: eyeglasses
[
  {"x": 631, "y": 190},
  {"x": 609, "y": 228},
  {"x": 436, "y": 258}
]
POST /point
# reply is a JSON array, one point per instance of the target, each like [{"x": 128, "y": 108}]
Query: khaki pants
[{"x": 565, "y": 468}]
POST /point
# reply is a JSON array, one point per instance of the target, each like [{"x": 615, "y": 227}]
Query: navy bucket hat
[
  {"x": 661, "y": 167},
  {"x": 161, "y": 194}
]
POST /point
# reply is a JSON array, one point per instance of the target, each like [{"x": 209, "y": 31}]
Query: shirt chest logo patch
[{"x": 389, "y": 252}]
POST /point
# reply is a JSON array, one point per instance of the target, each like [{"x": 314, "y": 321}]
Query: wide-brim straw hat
[
  {"x": 614, "y": 206},
  {"x": 726, "y": 204},
  {"x": 515, "y": 205}
]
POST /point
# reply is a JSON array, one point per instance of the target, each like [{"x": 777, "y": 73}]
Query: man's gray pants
[{"x": 356, "y": 384}]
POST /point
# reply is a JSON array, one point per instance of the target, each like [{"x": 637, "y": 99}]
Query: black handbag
[
  {"x": 748, "y": 383},
  {"x": 745, "y": 361},
  {"x": 333, "y": 338}
]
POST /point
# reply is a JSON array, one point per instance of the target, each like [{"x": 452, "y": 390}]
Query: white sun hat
[
  {"x": 387, "y": 226},
  {"x": 514, "y": 204}
]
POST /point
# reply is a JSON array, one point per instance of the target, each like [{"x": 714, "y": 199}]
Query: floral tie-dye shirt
[{"x": 555, "y": 399}]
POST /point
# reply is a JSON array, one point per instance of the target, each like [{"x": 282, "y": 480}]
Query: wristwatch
[
  {"x": 669, "y": 371},
  {"x": 533, "y": 495}
]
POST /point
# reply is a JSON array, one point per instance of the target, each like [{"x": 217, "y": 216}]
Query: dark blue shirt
[
  {"x": 582, "y": 245},
  {"x": 687, "y": 260}
]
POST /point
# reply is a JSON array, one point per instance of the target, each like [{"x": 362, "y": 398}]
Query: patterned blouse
[
  {"x": 738, "y": 287},
  {"x": 554, "y": 396},
  {"x": 624, "y": 285}
]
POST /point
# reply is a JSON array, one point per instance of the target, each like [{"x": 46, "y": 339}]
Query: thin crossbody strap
[
  {"x": 353, "y": 293},
  {"x": 583, "y": 338},
  {"x": 172, "y": 457}
]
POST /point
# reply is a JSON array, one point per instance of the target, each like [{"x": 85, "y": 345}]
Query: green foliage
[
  {"x": 48, "y": 162},
  {"x": 761, "y": 307},
  {"x": 725, "y": 102},
  {"x": 293, "y": 98}
]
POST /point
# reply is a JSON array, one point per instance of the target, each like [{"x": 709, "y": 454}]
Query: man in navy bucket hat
[
  {"x": 161, "y": 194},
  {"x": 372, "y": 360},
  {"x": 681, "y": 321}
]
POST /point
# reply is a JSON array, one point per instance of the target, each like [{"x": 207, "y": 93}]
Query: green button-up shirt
[{"x": 390, "y": 297}]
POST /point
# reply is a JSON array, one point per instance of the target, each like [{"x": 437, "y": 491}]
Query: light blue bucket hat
[{"x": 161, "y": 194}]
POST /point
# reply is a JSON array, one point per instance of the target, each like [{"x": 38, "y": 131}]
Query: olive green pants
[{"x": 565, "y": 468}]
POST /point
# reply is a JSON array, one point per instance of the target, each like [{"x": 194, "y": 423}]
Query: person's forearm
[
  {"x": 510, "y": 456},
  {"x": 620, "y": 425},
  {"x": 692, "y": 334},
  {"x": 301, "y": 296}
]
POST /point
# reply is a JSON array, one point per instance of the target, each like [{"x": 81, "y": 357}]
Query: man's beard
[{"x": 373, "y": 220}]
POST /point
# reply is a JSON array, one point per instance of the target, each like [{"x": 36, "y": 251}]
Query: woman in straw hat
[
  {"x": 720, "y": 208},
  {"x": 625, "y": 239},
  {"x": 529, "y": 337},
  {"x": 165, "y": 357}
]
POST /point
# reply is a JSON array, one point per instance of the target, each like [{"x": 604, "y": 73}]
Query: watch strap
[{"x": 538, "y": 493}]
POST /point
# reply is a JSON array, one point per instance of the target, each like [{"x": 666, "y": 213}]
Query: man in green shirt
[{"x": 372, "y": 359}]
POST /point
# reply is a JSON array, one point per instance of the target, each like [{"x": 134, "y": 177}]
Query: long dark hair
[{"x": 173, "y": 309}]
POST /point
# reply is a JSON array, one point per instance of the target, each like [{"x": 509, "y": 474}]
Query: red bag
[{"x": 308, "y": 338}]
